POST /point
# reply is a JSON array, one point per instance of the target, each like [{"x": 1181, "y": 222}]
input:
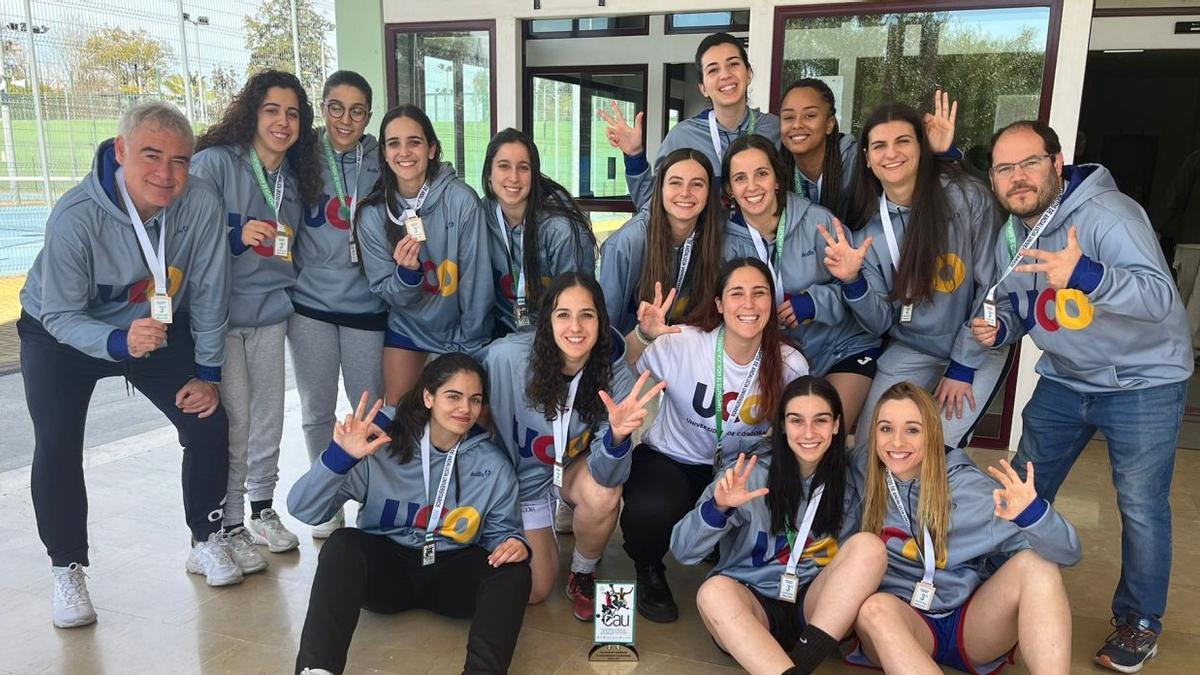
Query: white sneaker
[
  {"x": 214, "y": 559},
  {"x": 564, "y": 518},
  {"x": 245, "y": 553},
  {"x": 325, "y": 529},
  {"x": 269, "y": 531},
  {"x": 72, "y": 604}
]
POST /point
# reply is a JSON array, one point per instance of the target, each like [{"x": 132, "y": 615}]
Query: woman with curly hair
[
  {"x": 552, "y": 403},
  {"x": 262, "y": 157}
]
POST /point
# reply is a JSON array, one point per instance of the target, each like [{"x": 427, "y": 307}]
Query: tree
[
  {"x": 223, "y": 86},
  {"x": 269, "y": 37},
  {"x": 132, "y": 59}
]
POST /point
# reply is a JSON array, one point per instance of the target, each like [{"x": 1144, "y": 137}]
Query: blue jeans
[{"x": 1142, "y": 430}]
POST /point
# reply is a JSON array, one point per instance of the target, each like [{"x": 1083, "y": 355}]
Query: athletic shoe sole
[
  {"x": 262, "y": 541},
  {"x": 1106, "y": 662},
  {"x": 228, "y": 581},
  {"x": 86, "y": 621}
]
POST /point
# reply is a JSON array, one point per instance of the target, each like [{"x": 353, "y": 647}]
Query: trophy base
[{"x": 613, "y": 653}]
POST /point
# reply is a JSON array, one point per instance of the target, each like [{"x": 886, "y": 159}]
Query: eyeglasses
[
  {"x": 1027, "y": 166},
  {"x": 335, "y": 109}
]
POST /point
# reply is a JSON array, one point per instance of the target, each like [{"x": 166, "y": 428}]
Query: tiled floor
[{"x": 155, "y": 618}]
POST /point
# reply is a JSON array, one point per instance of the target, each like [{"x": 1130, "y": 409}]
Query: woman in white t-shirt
[{"x": 676, "y": 459}]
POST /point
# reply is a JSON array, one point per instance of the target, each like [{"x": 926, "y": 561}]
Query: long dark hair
[
  {"x": 756, "y": 142},
  {"x": 387, "y": 185},
  {"x": 547, "y": 388},
  {"x": 411, "y": 416},
  {"x": 547, "y": 199},
  {"x": 783, "y": 478},
  {"x": 706, "y": 317},
  {"x": 927, "y": 230},
  {"x": 710, "y": 237},
  {"x": 831, "y": 169},
  {"x": 240, "y": 123}
]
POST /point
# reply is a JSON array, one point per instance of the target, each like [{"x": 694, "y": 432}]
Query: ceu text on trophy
[{"x": 614, "y": 621}]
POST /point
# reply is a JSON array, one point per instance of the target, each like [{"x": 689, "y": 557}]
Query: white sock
[{"x": 582, "y": 564}]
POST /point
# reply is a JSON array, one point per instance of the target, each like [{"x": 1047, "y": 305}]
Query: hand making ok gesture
[
  {"x": 626, "y": 417},
  {"x": 1014, "y": 495},
  {"x": 627, "y": 139},
  {"x": 357, "y": 434},
  {"x": 842, "y": 260}
]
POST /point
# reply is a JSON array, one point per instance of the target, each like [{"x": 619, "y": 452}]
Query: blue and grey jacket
[
  {"x": 750, "y": 552},
  {"x": 694, "y": 133},
  {"x": 260, "y": 279},
  {"x": 941, "y": 327},
  {"x": 826, "y": 330},
  {"x": 447, "y": 305},
  {"x": 529, "y": 438},
  {"x": 557, "y": 254},
  {"x": 975, "y": 534},
  {"x": 1120, "y": 324},
  {"x": 329, "y": 287},
  {"x": 480, "y": 508},
  {"x": 91, "y": 281}
]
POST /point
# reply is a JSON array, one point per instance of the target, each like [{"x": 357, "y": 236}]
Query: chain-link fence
[{"x": 69, "y": 67}]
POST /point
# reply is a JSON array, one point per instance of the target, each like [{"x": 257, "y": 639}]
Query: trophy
[{"x": 614, "y": 622}]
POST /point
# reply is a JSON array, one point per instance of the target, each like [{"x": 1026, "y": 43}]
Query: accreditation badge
[
  {"x": 415, "y": 228},
  {"x": 160, "y": 308}
]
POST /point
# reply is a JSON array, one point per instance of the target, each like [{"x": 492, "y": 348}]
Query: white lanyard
[
  {"x": 764, "y": 253},
  {"x": 1030, "y": 240},
  {"x": 751, "y": 118},
  {"x": 810, "y": 513},
  {"x": 439, "y": 500},
  {"x": 156, "y": 262},
  {"x": 518, "y": 278},
  {"x": 930, "y": 561},
  {"x": 415, "y": 203},
  {"x": 561, "y": 426},
  {"x": 889, "y": 233},
  {"x": 685, "y": 259}
]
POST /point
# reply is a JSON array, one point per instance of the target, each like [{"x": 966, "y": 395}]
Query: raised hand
[
  {"x": 627, "y": 139},
  {"x": 951, "y": 394},
  {"x": 983, "y": 333},
  {"x": 842, "y": 260},
  {"x": 1014, "y": 495},
  {"x": 1056, "y": 265},
  {"x": 406, "y": 253},
  {"x": 510, "y": 550},
  {"x": 627, "y": 416},
  {"x": 939, "y": 127},
  {"x": 357, "y": 434},
  {"x": 731, "y": 489},
  {"x": 652, "y": 316}
]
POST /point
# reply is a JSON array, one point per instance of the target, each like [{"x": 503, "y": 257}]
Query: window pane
[
  {"x": 552, "y": 26},
  {"x": 990, "y": 60},
  {"x": 710, "y": 19}
]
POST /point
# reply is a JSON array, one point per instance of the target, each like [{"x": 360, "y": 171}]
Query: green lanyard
[
  {"x": 1011, "y": 235},
  {"x": 779, "y": 233},
  {"x": 344, "y": 208},
  {"x": 260, "y": 175},
  {"x": 719, "y": 389},
  {"x": 753, "y": 121}
]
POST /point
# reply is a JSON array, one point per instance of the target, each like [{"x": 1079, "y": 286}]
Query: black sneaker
[
  {"x": 654, "y": 599},
  {"x": 1128, "y": 648}
]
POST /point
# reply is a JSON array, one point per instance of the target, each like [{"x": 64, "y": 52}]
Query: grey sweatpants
[
  {"x": 319, "y": 351},
  {"x": 252, "y": 393}
]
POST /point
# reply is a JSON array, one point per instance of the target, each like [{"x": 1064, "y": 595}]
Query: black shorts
[
  {"x": 785, "y": 619},
  {"x": 862, "y": 363}
]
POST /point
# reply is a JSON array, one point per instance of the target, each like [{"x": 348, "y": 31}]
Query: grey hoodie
[
  {"x": 826, "y": 330},
  {"x": 848, "y": 147},
  {"x": 750, "y": 552},
  {"x": 329, "y": 287},
  {"x": 529, "y": 438},
  {"x": 1120, "y": 324},
  {"x": 260, "y": 283},
  {"x": 91, "y": 281},
  {"x": 557, "y": 254},
  {"x": 694, "y": 133},
  {"x": 940, "y": 328},
  {"x": 447, "y": 307},
  {"x": 480, "y": 508}
]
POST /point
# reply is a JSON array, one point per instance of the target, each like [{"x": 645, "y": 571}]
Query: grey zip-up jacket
[
  {"x": 91, "y": 281},
  {"x": 329, "y": 287},
  {"x": 480, "y": 508},
  {"x": 827, "y": 330},
  {"x": 940, "y": 328},
  {"x": 529, "y": 438},
  {"x": 447, "y": 306},
  {"x": 848, "y": 147},
  {"x": 260, "y": 280},
  {"x": 1120, "y": 324},
  {"x": 750, "y": 552},
  {"x": 557, "y": 254}
]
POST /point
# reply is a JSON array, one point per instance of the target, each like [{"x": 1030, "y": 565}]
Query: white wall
[{"x": 1143, "y": 32}]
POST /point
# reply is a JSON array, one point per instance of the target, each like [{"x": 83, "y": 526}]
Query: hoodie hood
[
  {"x": 1080, "y": 184},
  {"x": 440, "y": 188}
]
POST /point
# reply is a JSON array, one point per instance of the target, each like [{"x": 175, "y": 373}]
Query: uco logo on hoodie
[{"x": 1072, "y": 309}]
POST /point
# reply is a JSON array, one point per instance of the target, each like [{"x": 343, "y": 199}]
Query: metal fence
[{"x": 69, "y": 67}]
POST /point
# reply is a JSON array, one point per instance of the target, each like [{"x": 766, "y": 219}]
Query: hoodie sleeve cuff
[
  {"x": 618, "y": 451},
  {"x": 236, "y": 246},
  {"x": 713, "y": 516},
  {"x": 118, "y": 345},
  {"x": 855, "y": 289},
  {"x": 953, "y": 152},
  {"x": 957, "y": 371},
  {"x": 338, "y": 460},
  {"x": 208, "y": 373},
  {"x": 1087, "y": 275},
  {"x": 804, "y": 307},
  {"x": 1001, "y": 333},
  {"x": 636, "y": 165},
  {"x": 1032, "y": 513},
  {"x": 382, "y": 421},
  {"x": 410, "y": 278}
]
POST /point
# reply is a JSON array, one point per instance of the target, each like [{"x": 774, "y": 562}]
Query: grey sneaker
[
  {"x": 245, "y": 553},
  {"x": 1128, "y": 648},
  {"x": 214, "y": 560},
  {"x": 325, "y": 529},
  {"x": 269, "y": 531},
  {"x": 72, "y": 604}
]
